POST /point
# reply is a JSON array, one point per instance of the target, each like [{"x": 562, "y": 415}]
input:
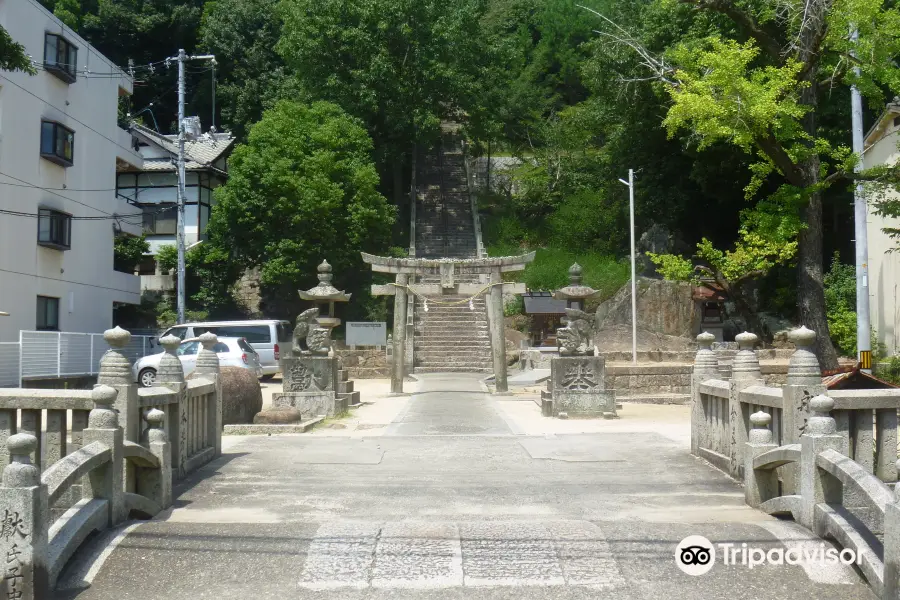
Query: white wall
[
  {"x": 82, "y": 277},
  {"x": 884, "y": 267}
]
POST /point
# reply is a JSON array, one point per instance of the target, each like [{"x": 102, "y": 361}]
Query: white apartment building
[
  {"x": 60, "y": 147},
  {"x": 881, "y": 148}
]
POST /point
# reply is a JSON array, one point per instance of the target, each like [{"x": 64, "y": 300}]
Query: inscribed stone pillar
[
  {"x": 498, "y": 338},
  {"x": 804, "y": 382},
  {"x": 399, "y": 333}
]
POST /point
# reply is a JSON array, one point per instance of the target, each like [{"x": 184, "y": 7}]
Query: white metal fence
[{"x": 48, "y": 354}]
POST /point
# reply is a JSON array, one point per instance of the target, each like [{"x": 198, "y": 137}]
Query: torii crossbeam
[{"x": 448, "y": 269}]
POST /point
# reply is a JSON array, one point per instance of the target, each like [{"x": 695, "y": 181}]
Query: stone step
[
  {"x": 452, "y": 361},
  {"x": 354, "y": 398},
  {"x": 455, "y": 369},
  {"x": 661, "y": 398},
  {"x": 446, "y": 341},
  {"x": 345, "y": 387},
  {"x": 458, "y": 352}
]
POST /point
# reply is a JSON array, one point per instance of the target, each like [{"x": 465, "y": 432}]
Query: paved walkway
[{"x": 454, "y": 497}]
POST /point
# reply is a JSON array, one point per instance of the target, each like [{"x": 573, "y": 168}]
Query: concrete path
[{"x": 455, "y": 498}]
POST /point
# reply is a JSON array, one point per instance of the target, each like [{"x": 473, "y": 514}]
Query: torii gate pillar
[{"x": 399, "y": 351}]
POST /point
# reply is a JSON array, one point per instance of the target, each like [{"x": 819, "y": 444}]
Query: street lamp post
[{"x": 630, "y": 184}]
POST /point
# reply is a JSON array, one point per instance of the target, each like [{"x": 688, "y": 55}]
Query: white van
[{"x": 269, "y": 338}]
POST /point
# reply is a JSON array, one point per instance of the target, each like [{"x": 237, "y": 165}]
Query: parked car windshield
[
  {"x": 188, "y": 348},
  {"x": 255, "y": 334},
  {"x": 178, "y": 332}
]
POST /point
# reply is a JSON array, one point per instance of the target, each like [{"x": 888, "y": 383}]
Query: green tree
[
  {"x": 757, "y": 80},
  {"x": 13, "y": 56},
  {"x": 302, "y": 189},
  {"x": 401, "y": 66},
  {"x": 840, "y": 299},
  {"x": 251, "y": 74},
  {"x": 128, "y": 250}
]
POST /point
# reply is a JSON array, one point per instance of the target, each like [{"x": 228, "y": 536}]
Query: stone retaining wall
[{"x": 365, "y": 364}]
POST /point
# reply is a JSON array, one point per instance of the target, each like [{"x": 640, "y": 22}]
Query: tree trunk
[
  {"x": 810, "y": 275},
  {"x": 397, "y": 173}
]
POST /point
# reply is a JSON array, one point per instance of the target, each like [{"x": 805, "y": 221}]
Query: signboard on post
[{"x": 361, "y": 333}]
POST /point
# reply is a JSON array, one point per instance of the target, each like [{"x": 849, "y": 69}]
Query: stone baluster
[
  {"x": 816, "y": 486},
  {"x": 804, "y": 382},
  {"x": 115, "y": 371},
  {"x": 25, "y": 526},
  {"x": 892, "y": 546},
  {"x": 208, "y": 368},
  {"x": 171, "y": 375},
  {"x": 745, "y": 372},
  {"x": 706, "y": 366},
  {"x": 106, "y": 481},
  {"x": 759, "y": 486},
  {"x": 156, "y": 484}
]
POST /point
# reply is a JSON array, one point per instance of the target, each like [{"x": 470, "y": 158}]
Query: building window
[
  {"x": 54, "y": 229},
  {"x": 60, "y": 57},
  {"x": 57, "y": 143},
  {"x": 47, "y": 314}
]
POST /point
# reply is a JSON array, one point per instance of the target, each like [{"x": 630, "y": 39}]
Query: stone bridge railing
[
  {"x": 829, "y": 461},
  {"x": 116, "y": 456}
]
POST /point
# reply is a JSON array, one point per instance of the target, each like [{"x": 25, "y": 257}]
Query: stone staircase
[
  {"x": 452, "y": 338},
  {"x": 448, "y": 338},
  {"x": 445, "y": 227},
  {"x": 345, "y": 389}
]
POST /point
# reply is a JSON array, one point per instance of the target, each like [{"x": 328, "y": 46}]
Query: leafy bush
[
  {"x": 889, "y": 370},
  {"x": 840, "y": 304}
]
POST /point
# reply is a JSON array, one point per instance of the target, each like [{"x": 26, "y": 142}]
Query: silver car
[{"x": 232, "y": 352}]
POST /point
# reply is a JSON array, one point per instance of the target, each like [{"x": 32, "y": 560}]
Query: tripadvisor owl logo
[{"x": 695, "y": 555}]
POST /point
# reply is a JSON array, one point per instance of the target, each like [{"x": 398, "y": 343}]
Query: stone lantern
[
  {"x": 325, "y": 294},
  {"x": 577, "y": 384},
  {"x": 310, "y": 376},
  {"x": 575, "y": 293}
]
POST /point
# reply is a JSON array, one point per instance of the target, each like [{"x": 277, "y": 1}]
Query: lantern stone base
[
  {"x": 310, "y": 385},
  {"x": 577, "y": 388}
]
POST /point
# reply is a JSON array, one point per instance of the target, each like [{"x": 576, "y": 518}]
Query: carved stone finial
[
  {"x": 746, "y": 362},
  {"x": 575, "y": 274},
  {"x": 705, "y": 360},
  {"x": 821, "y": 422},
  {"x": 170, "y": 368},
  {"x": 103, "y": 416},
  {"x": 803, "y": 368},
  {"x": 706, "y": 340},
  {"x": 115, "y": 368},
  {"x": 207, "y": 359},
  {"x": 760, "y": 433},
  {"x": 746, "y": 340},
  {"x": 156, "y": 420},
  {"x": 117, "y": 337},
  {"x": 325, "y": 274},
  {"x": 21, "y": 472}
]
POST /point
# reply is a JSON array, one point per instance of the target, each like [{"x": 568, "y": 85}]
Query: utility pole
[
  {"x": 863, "y": 328},
  {"x": 182, "y": 58},
  {"x": 630, "y": 184}
]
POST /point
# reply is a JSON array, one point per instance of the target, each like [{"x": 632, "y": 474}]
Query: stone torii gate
[{"x": 447, "y": 269}]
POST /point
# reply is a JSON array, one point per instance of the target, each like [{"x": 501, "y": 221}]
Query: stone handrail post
[
  {"x": 892, "y": 546},
  {"x": 106, "y": 481},
  {"x": 24, "y": 530},
  {"x": 745, "y": 373},
  {"x": 115, "y": 372},
  {"x": 171, "y": 375},
  {"x": 816, "y": 486},
  {"x": 804, "y": 382},
  {"x": 156, "y": 484},
  {"x": 762, "y": 485},
  {"x": 706, "y": 366},
  {"x": 208, "y": 368}
]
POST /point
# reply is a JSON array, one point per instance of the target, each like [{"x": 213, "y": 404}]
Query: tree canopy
[{"x": 303, "y": 188}]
